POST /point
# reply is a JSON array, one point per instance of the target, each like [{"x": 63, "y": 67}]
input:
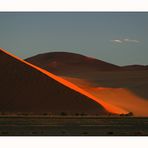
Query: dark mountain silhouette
[
  {"x": 70, "y": 63},
  {"x": 28, "y": 88}
]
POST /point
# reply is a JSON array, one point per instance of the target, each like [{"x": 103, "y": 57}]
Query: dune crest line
[{"x": 108, "y": 107}]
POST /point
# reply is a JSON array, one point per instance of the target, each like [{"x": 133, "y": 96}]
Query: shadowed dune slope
[
  {"x": 27, "y": 88},
  {"x": 69, "y": 63}
]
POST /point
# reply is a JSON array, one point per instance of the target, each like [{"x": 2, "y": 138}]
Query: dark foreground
[{"x": 73, "y": 126}]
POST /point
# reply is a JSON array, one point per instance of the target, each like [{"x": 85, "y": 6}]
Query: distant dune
[
  {"x": 70, "y": 63},
  {"x": 123, "y": 87},
  {"x": 67, "y": 63},
  {"x": 28, "y": 88},
  {"x": 135, "y": 67}
]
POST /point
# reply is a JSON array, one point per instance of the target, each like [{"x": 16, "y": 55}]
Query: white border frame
[{"x": 74, "y": 5}]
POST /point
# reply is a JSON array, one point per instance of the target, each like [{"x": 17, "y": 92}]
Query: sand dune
[
  {"x": 123, "y": 87},
  {"x": 135, "y": 67},
  {"x": 28, "y": 88},
  {"x": 70, "y": 63}
]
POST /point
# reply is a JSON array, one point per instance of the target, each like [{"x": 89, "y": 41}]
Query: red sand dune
[
  {"x": 28, "y": 88},
  {"x": 123, "y": 87}
]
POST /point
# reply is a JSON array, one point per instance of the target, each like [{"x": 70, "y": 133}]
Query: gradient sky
[{"x": 118, "y": 38}]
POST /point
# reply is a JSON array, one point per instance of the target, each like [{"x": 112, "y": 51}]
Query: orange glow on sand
[
  {"x": 122, "y": 98},
  {"x": 108, "y": 107}
]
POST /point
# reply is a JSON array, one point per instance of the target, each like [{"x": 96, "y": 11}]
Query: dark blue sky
[{"x": 119, "y": 38}]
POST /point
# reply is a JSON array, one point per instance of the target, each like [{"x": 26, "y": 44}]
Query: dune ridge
[{"x": 71, "y": 86}]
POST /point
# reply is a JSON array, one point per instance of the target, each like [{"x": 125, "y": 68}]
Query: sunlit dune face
[
  {"x": 122, "y": 100},
  {"x": 100, "y": 88},
  {"x": 86, "y": 86},
  {"x": 109, "y": 107}
]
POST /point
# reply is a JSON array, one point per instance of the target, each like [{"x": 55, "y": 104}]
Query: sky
[{"x": 118, "y": 38}]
